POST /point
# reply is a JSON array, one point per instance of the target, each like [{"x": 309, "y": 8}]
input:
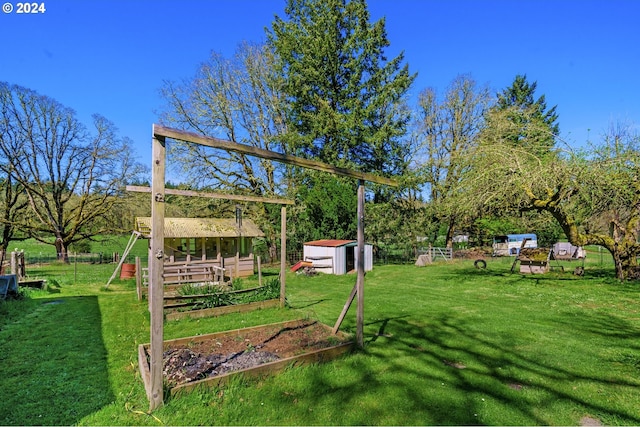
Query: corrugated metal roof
[
  {"x": 330, "y": 243},
  {"x": 200, "y": 227}
]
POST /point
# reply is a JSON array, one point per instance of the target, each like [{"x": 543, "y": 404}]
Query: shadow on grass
[
  {"x": 446, "y": 373},
  {"x": 300, "y": 304},
  {"x": 53, "y": 369},
  {"x": 498, "y": 269}
]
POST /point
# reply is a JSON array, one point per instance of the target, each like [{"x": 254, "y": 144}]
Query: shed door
[{"x": 351, "y": 257}]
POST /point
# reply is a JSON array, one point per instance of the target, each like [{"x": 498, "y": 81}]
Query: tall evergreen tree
[
  {"x": 345, "y": 98},
  {"x": 528, "y": 115}
]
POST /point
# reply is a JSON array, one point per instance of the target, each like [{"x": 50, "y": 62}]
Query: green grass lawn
[{"x": 445, "y": 344}]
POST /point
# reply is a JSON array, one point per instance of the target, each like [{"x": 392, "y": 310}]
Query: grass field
[
  {"x": 36, "y": 251},
  {"x": 445, "y": 344}
]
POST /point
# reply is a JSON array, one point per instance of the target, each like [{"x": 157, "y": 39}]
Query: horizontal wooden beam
[
  {"x": 180, "y": 135},
  {"x": 190, "y": 193}
]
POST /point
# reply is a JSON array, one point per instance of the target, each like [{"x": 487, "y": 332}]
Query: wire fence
[
  {"x": 87, "y": 258},
  {"x": 380, "y": 256}
]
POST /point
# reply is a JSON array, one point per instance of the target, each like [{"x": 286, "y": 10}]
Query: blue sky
[{"x": 111, "y": 56}]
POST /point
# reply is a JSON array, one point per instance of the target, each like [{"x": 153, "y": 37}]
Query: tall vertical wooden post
[
  {"x": 156, "y": 270},
  {"x": 360, "y": 266},
  {"x": 283, "y": 254}
]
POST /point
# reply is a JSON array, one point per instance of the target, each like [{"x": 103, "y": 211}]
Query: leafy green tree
[
  {"x": 592, "y": 194},
  {"x": 397, "y": 224},
  {"x": 325, "y": 209},
  {"x": 72, "y": 178},
  {"x": 345, "y": 100}
]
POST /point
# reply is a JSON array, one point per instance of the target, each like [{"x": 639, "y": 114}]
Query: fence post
[
  {"x": 14, "y": 263},
  {"x": 259, "y": 271}
]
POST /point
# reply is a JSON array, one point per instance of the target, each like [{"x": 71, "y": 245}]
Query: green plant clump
[{"x": 271, "y": 290}]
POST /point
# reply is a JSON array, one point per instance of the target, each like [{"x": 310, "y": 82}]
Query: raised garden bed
[
  {"x": 212, "y": 359},
  {"x": 217, "y": 303},
  {"x": 218, "y": 311}
]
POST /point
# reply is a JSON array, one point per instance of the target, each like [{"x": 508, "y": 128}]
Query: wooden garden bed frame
[
  {"x": 154, "y": 385},
  {"x": 173, "y": 302},
  {"x": 225, "y": 309},
  {"x": 314, "y": 356}
]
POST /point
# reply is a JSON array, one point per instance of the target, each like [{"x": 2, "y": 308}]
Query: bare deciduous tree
[
  {"x": 71, "y": 177},
  {"x": 236, "y": 99},
  {"x": 239, "y": 100},
  {"x": 445, "y": 130}
]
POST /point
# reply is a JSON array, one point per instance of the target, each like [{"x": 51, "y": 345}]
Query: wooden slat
[
  {"x": 143, "y": 364},
  {"x": 209, "y": 195},
  {"x": 239, "y": 291},
  {"x": 208, "y": 141},
  {"x": 218, "y": 311},
  {"x": 180, "y": 305},
  {"x": 345, "y": 309}
]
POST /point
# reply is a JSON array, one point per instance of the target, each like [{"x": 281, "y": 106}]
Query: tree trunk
[
  {"x": 450, "y": 231},
  {"x": 625, "y": 259},
  {"x": 273, "y": 252},
  {"x": 622, "y": 245},
  {"x": 61, "y": 250}
]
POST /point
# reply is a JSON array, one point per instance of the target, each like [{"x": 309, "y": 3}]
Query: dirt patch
[
  {"x": 208, "y": 358},
  {"x": 590, "y": 421}
]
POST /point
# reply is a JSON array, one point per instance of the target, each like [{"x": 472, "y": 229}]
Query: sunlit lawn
[{"x": 445, "y": 344}]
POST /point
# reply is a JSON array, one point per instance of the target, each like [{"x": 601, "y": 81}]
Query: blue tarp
[{"x": 8, "y": 284}]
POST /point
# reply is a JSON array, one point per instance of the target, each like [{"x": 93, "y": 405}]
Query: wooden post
[
  {"x": 237, "y": 258},
  {"x": 139, "y": 278},
  {"x": 156, "y": 270},
  {"x": 360, "y": 266},
  {"x": 156, "y": 266},
  {"x": 283, "y": 254},
  {"x": 347, "y": 304},
  {"x": 14, "y": 263},
  {"x": 259, "y": 272}
]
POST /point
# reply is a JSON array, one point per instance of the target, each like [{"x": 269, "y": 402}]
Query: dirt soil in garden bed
[{"x": 246, "y": 349}]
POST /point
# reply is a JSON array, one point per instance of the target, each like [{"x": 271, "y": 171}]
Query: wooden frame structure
[{"x": 154, "y": 389}]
